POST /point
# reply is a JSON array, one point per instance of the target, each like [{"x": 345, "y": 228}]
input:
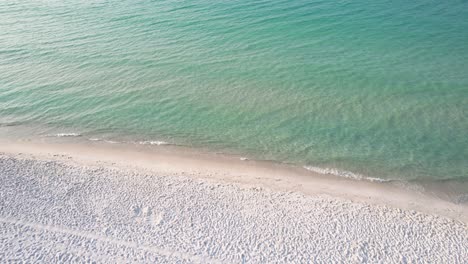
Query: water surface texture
[{"x": 378, "y": 88}]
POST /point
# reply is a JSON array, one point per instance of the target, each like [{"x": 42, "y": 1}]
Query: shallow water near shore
[
  {"x": 235, "y": 167},
  {"x": 374, "y": 89}
]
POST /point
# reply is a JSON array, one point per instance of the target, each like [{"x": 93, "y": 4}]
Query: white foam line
[
  {"x": 157, "y": 143},
  {"x": 65, "y": 135},
  {"x": 345, "y": 174},
  {"x": 88, "y": 235}
]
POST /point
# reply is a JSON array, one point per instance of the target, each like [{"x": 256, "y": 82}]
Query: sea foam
[
  {"x": 157, "y": 143},
  {"x": 343, "y": 173},
  {"x": 65, "y": 135}
]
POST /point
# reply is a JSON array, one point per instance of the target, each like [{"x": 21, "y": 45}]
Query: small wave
[
  {"x": 157, "y": 143},
  {"x": 341, "y": 173},
  {"x": 104, "y": 140},
  {"x": 65, "y": 135}
]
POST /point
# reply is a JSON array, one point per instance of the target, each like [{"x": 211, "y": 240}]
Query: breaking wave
[
  {"x": 157, "y": 143},
  {"x": 344, "y": 174},
  {"x": 65, "y": 135}
]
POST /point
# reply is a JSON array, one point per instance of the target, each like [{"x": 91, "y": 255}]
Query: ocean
[{"x": 361, "y": 89}]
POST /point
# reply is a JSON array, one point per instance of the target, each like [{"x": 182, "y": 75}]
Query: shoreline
[
  {"x": 452, "y": 189},
  {"x": 230, "y": 169}
]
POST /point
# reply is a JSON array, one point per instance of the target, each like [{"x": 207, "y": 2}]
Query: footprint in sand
[
  {"x": 156, "y": 219},
  {"x": 146, "y": 214},
  {"x": 136, "y": 211},
  {"x": 146, "y": 211}
]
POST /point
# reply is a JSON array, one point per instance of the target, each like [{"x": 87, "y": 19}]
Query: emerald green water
[{"x": 378, "y": 88}]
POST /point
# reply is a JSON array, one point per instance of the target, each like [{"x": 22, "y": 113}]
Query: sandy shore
[{"x": 63, "y": 202}]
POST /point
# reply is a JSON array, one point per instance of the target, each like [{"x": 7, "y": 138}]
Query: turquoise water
[{"x": 378, "y": 88}]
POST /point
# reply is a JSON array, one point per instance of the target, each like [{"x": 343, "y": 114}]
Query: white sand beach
[{"x": 114, "y": 204}]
